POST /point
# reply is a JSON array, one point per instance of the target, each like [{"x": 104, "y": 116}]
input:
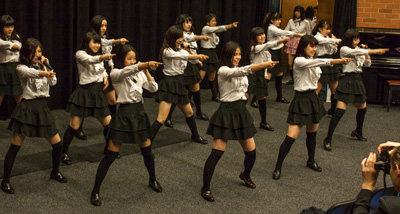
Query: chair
[
  {"x": 342, "y": 207},
  {"x": 391, "y": 85},
  {"x": 377, "y": 193}
]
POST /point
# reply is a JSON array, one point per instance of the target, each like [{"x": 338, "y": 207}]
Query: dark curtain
[
  {"x": 344, "y": 16},
  {"x": 60, "y": 25}
]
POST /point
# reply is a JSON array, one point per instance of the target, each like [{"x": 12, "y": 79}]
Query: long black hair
[
  {"x": 28, "y": 50},
  {"x": 182, "y": 19},
  {"x": 255, "y": 31},
  {"x": 6, "y": 21},
  {"x": 121, "y": 54},
  {"x": 309, "y": 13},
  {"x": 348, "y": 37},
  {"x": 304, "y": 42},
  {"x": 301, "y": 10},
  {"x": 321, "y": 24},
  {"x": 208, "y": 18},
  {"x": 227, "y": 52},
  {"x": 173, "y": 33},
  {"x": 95, "y": 24},
  {"x": 269, "y": 17},
  {"x": 86, "y": 40}
]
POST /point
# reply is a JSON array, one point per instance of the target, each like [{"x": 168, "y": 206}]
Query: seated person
[{"x": 387, "y": 204}]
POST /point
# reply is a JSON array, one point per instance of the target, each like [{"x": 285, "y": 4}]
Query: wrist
[{"x": 368, "y": 186}]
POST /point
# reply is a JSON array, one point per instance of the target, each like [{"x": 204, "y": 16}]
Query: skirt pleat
[
  {"x": 9, "y": 80},
  {"x": 351, "y": 89},
  {"x": 305, "y": 108},
  {"x": 191, "y": 74},
  {"x": 172, "y": 90}
]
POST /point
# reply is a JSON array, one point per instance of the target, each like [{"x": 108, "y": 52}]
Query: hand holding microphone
[{"x": 44, "y": 61}]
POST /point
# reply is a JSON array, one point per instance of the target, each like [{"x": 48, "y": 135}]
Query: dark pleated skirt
[
  {"x": 211, "y": 64},
  {"x": 130, "y": 124},
  {"x": 191, "y": 74},
  {"x": 258, "y": 85},
  {"x": 9, "y": 80},
  {"x": 305, "y": 108},
  {"x": 276, "y": 55},
  {"x": 172, "y": 90},
  {"x": 232, "y": 121},
  {"x": 329, "y": 73},
  {"x": 351, "y": 89},
  {"x": 33, "y": 118},
  {"x": 108, "y": 70},
  {"x": 88, "y": 101}
]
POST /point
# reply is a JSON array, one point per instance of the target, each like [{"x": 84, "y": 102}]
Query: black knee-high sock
[
  {"x": 291, "y": 73},
  {"x": 67, "y": 139},
  {"x": 56, "y": 156},
  {"x": 333, "y": 103},
  {"x": 102, "y": 170},
  {"x": 334, "y": 121},
  {"x": 154, "y": 128},
  {"x": 283, "y": 151},
  {"x": 105, "y": 132},
  {"x": 278, "y": 87},
  {"x": 192, "y": 125},
  {"x": 262, "y": 108},
  {"x": 209, "y": 167},
  {"x": 9, "y": 162},
  {"x": 254, "y": 99},
  {"x": 81, "y": 126},
  {"x": 113, "y": 109},
  {"x": 197, "y": 102},
  {"x": 190, "y": 94},
  {"x": 171, "y": 111},
  {"x": 214, "y": 88},
  {"x": 148, "y": 158},
  {"x": 360, "y": 120},
  {"x": 311, "y": 141},
  {"x": 249, "y": 161}
]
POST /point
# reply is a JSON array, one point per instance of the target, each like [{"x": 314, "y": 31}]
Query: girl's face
[
  {"x": 297, "y": 14},
  {"x": 8, "y": 30},
  {"x": 310, "y": 50},
  {"x": 103, "y": 27},
  {"x": 261, "y": 38},
  {"x": 315, "y": 12},
  {"x": 237, "y": 56},
  {"x": 276, "y": 22},
  {"x": 36, "y": 55},
  {"x": 187, "y": 25},
  {"x": 94, "y": 47},
  {"x": 212, "y": 22},
  {"x": 356, "y": 41},
  {"x": 179, "y": 42},
  {"x": 130, "y": 58},
  {"x": 325, "y": 31}
]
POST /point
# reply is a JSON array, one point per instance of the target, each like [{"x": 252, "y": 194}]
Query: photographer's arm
[{"x": 387, "y": 144}]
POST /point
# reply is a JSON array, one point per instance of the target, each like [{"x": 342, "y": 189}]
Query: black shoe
[
  {"x": 199, "y": 139},
  {"x": 330, "y": 113},
  {"x": 202, "y": 116},
  {"x": 65, "y": 159},
  {"x": 207, "y": 195},
  {"x": 118, "y": 156},
  {"x": 314, "y": 166},
  {"x": 58, "y": 177},
  {"x": 155, "y": 186},
  {"x": 95, "y": 199},
  {"x": 168, "y": 123},
  {"x": 266, "y": 126},
  {"x": 282, "y": 100},
  {"x": 277, "y": 174},
  {"x": 81, "y": 135},
  {"x": 358, "y": 136},
  {"x": 7, "y": 188},
  {"x": 254, "y": 104},
  {"x": 327, "y": 145},
  {"x": 215, "y": 99},
  {"x": 248, "y": 182},
  {"x": 291, "y": 82}
]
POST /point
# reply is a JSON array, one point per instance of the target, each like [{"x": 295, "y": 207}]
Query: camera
[{"x": 383, "y": 161}]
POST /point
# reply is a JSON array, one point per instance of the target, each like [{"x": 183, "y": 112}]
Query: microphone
[
  {"x": 46, "y": 64},
  {"x": 189, "y": 46}
]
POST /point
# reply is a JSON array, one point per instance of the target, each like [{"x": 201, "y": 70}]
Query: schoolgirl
[
  {"x": 10, "y": 45},
  {"x": 306, "y": 107},
  {"x": 208, "y": 47},
  {"x": 258, "y": 82},
  {"x": 88, "y": 100},
  {"x": 32, "y": 117},
  {"x": 351, "y": 89},
  {"x": 309, "y": 15},
  {"x": 232, "y": 121},
  {"x": 98, "y": 25},
  {"x": 271, "y": 25},
  {"x": 299, "y": 25},
  {"x": 193, "y": 73},
  {"x": 130, "y": 124},
  {"x": 327, "y": 46},
  {"x": 172, "y": 88}
]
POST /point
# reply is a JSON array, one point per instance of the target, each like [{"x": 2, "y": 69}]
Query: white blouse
[
  {"x": 358, "y": 54},
  {"x": 32, "y": 85},
  {"x": 174, "y": 62},
  {"x": 90, "y": 68},
  {"x": 307, "y": 71},
  {"x": 129, "y": 83},
  {"x": 188, "y": 37},
  {"x": 6, "y": 54},
  {"x": 274, "y": 33},
  {"x": 106, "y": 48},
  {"x": 326, "y": 45},
  {"x": 297, "y": 26},
  {"x": 260, "y": 53},
  {"x": 211, "y": 32},
  {"x": 233, "y": 83}
]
